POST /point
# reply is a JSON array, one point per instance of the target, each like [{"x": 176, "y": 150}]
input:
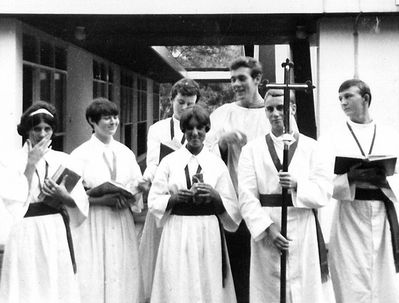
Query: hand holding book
[{"x": 56, "y": 189}]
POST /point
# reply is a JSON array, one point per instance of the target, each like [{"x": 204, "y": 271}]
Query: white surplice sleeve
[
  {"x": 14, "y": 186},
  {"x": 315, "y": 189},
  {"x": 133, "y": 185},
  {"x": 160, "y": 192},
  {"x": 153, "y": 150},
  {"x": 224, "y": 186},
  {"x": 256, "y": 217},
  {"x": 79, "y": 213}
]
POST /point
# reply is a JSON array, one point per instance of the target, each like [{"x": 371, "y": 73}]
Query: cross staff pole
[{"x": 286, "y": 86}]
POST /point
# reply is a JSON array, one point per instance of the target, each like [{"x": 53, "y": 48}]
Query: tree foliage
[
  {"x": 206, "y": 56},
  {"x": 213, "y": 94}
]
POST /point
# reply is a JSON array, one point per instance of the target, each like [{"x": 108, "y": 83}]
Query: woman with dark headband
[
  {"x": 193, "y": 198},
  {"x": 39, "y": 262}
]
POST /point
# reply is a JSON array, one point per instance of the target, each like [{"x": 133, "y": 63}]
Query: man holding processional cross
[{"x": 308, "y": 183}]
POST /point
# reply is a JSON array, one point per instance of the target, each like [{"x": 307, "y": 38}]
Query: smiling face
[
  {"x": 106, "y": 127},
  {"x": 244, "y": 86},
  {"x": 180, "y": 103},
  {"x": 39, "y": 131},
  {"x": 274, "y": 106},
  {"x": 195, "y": 135},
  {"x": 353, "y": 103}
]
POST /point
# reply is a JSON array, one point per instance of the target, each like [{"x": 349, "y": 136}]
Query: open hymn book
[
  {"x": 110, "y": 187},
  {"x": 70, "y": 182},
  {"x": 385, "y": 162}
]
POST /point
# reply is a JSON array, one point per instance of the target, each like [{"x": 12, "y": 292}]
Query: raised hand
[
  {"x": 235, "y": 137},
  {"x": 39, "y": 150}
]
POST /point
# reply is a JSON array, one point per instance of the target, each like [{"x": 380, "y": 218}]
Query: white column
[
  {"x": 10, "y": 101},
  {"x": 10, "y": 81}
]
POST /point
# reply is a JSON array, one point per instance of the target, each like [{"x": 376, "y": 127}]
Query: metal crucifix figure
[{"x": 288, "y": 139}]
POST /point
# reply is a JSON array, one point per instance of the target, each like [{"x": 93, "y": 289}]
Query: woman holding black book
[
  {"x": 107, "y": 252},
  {"x": 39, "y": 262},
  {"x": 193, "y": 198}
]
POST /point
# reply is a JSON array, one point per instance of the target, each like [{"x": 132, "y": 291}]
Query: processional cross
[{"x": 287, "y": 139}]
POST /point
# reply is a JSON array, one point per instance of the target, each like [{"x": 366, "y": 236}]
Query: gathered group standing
[{"x": 213, "y": 184}]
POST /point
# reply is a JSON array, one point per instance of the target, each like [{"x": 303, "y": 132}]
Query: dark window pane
[
  {"x": 60, "y": 95},
  {"x": 27, "y": 94},
  {"x": 156, "y": 88},
  {"x": 155, "y": 106},
  {"x": 45, "y": 85},
  {"x": 128, "y": 135},
  {"x": 95, "y": 89},
  {"x": 96, "y": 70},
  {"x": 60, "y": 58},
  {"x": 110, "y": 75},
  {"x": 141, "y": 138},
  {"x": 103, "y": 72},
  {"x": 103, "y": 87},
  {"x": 110, "y": 92},
  {"x": 29, "y": 49},
  {"x": 46, "y": 54}
]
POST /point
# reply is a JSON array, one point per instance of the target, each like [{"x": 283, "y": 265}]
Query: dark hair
[
  {"x": 197, "y": 112},
  {"x": 186, "y": 87},
  {"x": 100, "y": 107},
  {"x": 251, "y": 63},
  {"x": 364, "y": 89},
  {"x": 28, "y": 122},
  {"x": 275, "y": 92}
]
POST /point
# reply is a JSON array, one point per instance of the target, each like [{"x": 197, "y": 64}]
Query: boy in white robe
[
  {"x": 309, "y": 183},
  {"x": 361, "y": 245},
  {"x": 233, "y": 125}
]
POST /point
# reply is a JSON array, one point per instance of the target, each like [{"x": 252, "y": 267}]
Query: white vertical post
[{"x": 10, "y": 81}]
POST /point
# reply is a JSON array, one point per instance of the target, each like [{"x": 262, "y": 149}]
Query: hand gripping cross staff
[{"x": 288, "y": 139}]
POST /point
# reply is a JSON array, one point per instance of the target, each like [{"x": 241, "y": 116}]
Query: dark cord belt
[
  {"x": 42, "y": 209},
  {"x": 377, "y": 194},
  {"x": 275, "y": 200}
]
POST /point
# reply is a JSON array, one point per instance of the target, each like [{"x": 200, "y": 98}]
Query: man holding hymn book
[{"x": 364, "y": 244}]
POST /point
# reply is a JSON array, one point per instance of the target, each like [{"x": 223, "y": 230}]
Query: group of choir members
[{"x": 214, "y": 184}]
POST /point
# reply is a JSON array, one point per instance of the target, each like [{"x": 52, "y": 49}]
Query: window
[
  {"x": 103, "y": 78},
  {"x": 126, "y": 95},
  {"x": 134, "y": 111},
  {"x": 44, "y": 78},
  {"x": 141, "y": 116},
  {"x": 155, "y": 102}
]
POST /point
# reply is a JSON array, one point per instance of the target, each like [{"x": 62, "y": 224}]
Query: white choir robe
[
  {"x": 37, "y": 265},
  {"x": 107, "y": 252},
  {"x": 230, "y": 117},
  {"x": 360, "y": 250},
  {"x": 258, "y": 175},
  {"x": 157, "y": 133},
  {"x": 189, "y": 267}
]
